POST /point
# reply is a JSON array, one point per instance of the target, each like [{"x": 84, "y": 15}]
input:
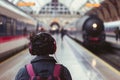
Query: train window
[
  {"x": 14, "y": 27},
  {"x": 1, "y": 22},
  {"x": 19, "y": 28},
  {"x": 8, "y": 26},
  {"x": 2, "y": 25}
]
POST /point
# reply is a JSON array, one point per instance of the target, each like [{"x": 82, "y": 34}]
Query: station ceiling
[{"x": 73, "y": 5}]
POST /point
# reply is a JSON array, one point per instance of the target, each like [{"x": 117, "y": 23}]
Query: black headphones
[{"x": 42, "y": 44}]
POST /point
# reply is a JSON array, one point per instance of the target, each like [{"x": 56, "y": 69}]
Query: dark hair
[{"x": 43, "y": 44}]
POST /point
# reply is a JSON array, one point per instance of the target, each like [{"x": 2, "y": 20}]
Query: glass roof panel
[{"x": 73, "y": 5}]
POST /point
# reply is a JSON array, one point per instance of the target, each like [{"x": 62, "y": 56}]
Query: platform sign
[{"x": 23, "y": 4}]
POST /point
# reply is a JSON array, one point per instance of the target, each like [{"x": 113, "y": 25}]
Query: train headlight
[
  {"x": 94, "y": 26},
  {"x": 54, "y": 27}
]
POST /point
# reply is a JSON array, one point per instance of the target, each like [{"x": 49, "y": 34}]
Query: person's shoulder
[
  {"x": 63, "y": 67},
  {"x": 21, "y": 73},
  {"x": 65, "y": 73},
  {"x": 22, "y": 70}
]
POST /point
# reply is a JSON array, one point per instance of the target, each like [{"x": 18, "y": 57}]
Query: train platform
[
  {"x": 81, "y": 63},
  {"x": 84, "y": 63}
]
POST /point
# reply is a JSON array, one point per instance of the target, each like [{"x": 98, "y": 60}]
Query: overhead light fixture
[
  {"x": 22, "y": 4},
  {"x": 92, "y": 4}
]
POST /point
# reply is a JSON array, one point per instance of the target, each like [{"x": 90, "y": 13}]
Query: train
[
  {"x": 90, "y": 28},
  {"x": 54, "y": 28},
  {"x": 12, "y": 27},
  {"x": 14, "y": 35},
  {"x": 111, "y": 27}
]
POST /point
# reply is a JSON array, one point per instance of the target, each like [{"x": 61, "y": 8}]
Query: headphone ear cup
[{"x": 54, "y": 47}]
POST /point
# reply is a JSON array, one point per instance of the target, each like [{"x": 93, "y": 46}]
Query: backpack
[{"x": 55, "y": 75}]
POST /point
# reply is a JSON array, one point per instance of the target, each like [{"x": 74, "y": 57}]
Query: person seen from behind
[{"x": 42, "y": 45}]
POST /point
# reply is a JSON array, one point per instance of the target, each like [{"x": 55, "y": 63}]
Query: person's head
[{"x": 42, "y": 44}]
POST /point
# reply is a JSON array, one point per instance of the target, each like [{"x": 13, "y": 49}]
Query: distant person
[
  {"x": 42, "y": 45},
  {"x": 117, "y": 33},
  {"x": 63, "y": 32},
  {"x": 25, "y": 31}
]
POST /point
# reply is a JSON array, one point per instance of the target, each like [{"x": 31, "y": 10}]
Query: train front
[{"x": 93, "y": 31}]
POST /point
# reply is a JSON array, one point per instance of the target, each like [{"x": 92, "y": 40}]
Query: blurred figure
[
  {"x": 117, "y": 33},
  {"x": 25, "y": 31},
  {"x": 63, "y": 32},
  {"x": 42, "y": 45}
]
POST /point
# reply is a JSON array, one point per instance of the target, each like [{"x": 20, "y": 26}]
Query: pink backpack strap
[
  {"x": 57, "y": 70},
  {"x": 30, "y": 70}
]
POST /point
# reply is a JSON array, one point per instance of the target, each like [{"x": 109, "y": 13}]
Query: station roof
[{"x": 35, "y": 6}]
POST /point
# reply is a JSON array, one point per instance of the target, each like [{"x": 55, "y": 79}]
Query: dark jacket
[{"x": 43, "y": 66}]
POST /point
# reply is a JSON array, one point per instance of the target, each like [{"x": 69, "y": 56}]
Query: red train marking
[{"x": 4, "y": 39}]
